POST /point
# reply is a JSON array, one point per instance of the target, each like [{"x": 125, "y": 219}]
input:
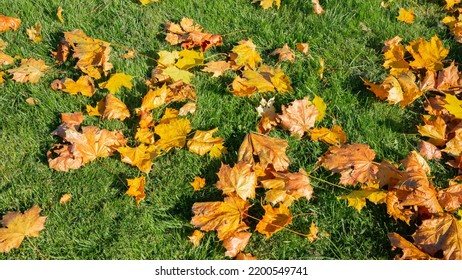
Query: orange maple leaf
[
  {"x": 274, "y": 220},
  {"x": 196, "y": 237},
  {"x": 83, "y": 85},
  {"x": 224, "y": 217},
  {"x": 140, "y": 156},
  {"x": 284, "y": 53},
  {"x": 236, "y": 243},
  {"x": 240, "y": 180},
  {"x": 203, "y": 142},
  {"x": 428, "y": 55},
  {"x": 136, "y": 188},
  {"x": 406, "y": 16},
  {"x": 9, "y": 23},
  {"x": 17, "y": 226},
  {"x": 299, "y": 117},
  {"x": 30, "y": 70},
  {"x": 198, "y": 183},
  {"x": 410, "y": 252},
  {"x": 317, "y": 7}
]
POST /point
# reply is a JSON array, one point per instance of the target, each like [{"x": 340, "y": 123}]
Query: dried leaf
[
  {"x": 136, "y": 188},
  {"x": 246, "y": 257},
  {"x": 65, "y": 198},
  {"x": 246, "y": 55},
  {"x": 203, "y": 142},
  {"x": 196, "y": 237},
  {"x": 266, "y": 4},
  {"x": 17, "y": 226},
  {"x": 83, "y": 85},
  {"x": 5, "y": 59},
  {"x": 30, "y": 71},
  {"x": 34, "y": 33},
  {"x": 140, "y": 156},
  {"x": 274, "y": 220},
  {"x": 303, "y": 47},
  {"x": 313, "y": 235},
  {"x": 299, "y": 117},
  {"x": 117, "y": 81},
  {"x": 217, "y": 67},
  {"x": 172, "y": 134},
  {"x": 335, "y": 136},
  {"x": 198, "y": 183},
  {"x": 59, "y": 14},
  {"x": 240, "y": 180},
  {"x": 236, "y": 243},
  {"x": 410, "y": 252},
  {"x": 406, "y": 16},
  {"x": 317, "y": 7},
  {"x": 9, "y": 23},
  {"x": 428, "y": 55},
  {"x": 285, "y": 53},
  {"x": 428, "y": 150}
]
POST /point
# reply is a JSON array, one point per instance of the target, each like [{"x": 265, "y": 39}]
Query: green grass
[{"x": 102, "y": 222}]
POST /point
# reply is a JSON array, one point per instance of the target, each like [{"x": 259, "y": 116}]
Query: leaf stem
[{"x": 37, "y": 249}]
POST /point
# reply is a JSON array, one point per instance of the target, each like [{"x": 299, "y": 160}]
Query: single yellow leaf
[
  {"x": 285, "y": 53},
  {"x": 140, "y": 156},
  {"x": 196, "y": 237},
  {"x": 65, "y": 198},
  {"x": 117, "y": 81},
  {"x": 240, "y": 179},
  {"x": 136, "y": 188},
  {"x": 189, "y": 59},
  {"x": 336, "y": 136},
  {"x": 406, "y": 16},
  {"x": 203, "y": 141},
  {"x": 216, "y": 67},
  {"x": 177, "y": 74},
  {"x": 198, "y": 183},
  {"x": 167, "y": 58},
  {"x": 320, "y": 106},
  {"x": 303, "y": 47},
  {"x": 17, "y": 226},
  {"x": 313, "y": 235},
  {"x": 428, "y": 55},
  {"x": 172, "y": 134},
  {"x": 247, "y": 55},
  {"x": 266, "y": 4},
  {"x": 357, "y": 198},
  {"x": 59, "y": 14},
  {"x": 145, "y": 2},
  {"x": 5, "y": 59},
  {"x": 453, "y": 105}
]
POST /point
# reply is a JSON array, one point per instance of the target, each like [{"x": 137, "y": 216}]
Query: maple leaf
[
  {"x": 188, "y": 108},
  {"x": 299, "y": 117},
  {"x": 216, "y": 67},
  {"x": 434, "y": 129},
  {"x": 92, "y": 54},
  {"x": 287, "y": 187},
  {"x": 34, "y": 33},
  {"x": 83, "y": 85},
  {"x": 17, "y": 226},
  {"x": 335, "y": 136},
  {"x": 313, "y": 235},
  {"x": 285, "y": 53},
  {"x": 5, "y": 59},
  {"x": 198, "y": 183},
  {"x": 269, "y": 118},
  {"x": 357, "y": 198},
  {"x": 116, "y": 81},
  {"x": 30, "y": 70},
  {"x": 59, "y": 14},
  {"x": 196, "y": 237},
  {"x": 317, "y": 7},
  {"x": 110, "y": 108},
  {"x": 451, "y": 3},
  {"x": 410, "y": 252},
  {"x": 274, "y": 220},
  {"x": 266, "y": 4},
  {"x": 441, "y": 233},
  {"x": 189, "y": 59},
  {"x": 93, "y": 142},
  {"x": 9, "y": 23},
  {"x": 246, "y": 257},
  {"x": 320, "y": 105},
  {"x": 454, "y": 146},
  {"x": 203, "y": 142},
  {"x": 129, "y": 54},
  {"x": 62, "y": 52},
  {"x": 394, "y": 54},
  {"x": 224, "y": 217},
  {"x": 406, "y": 16},
  {"x": 268, "y": 151},
  {"x": 353, "y": 161},
  {"x": 257, "y": 80},
  {"x": 428, "y": 55},
  {"x": 303, "y": 47},
  {"x": 136, "y": 188},
  {"x": 145, "y": 2},
  {"x": 177, "y": 74},
  {"x": 240, "y": 88},
  {"x": 236, "y": 243},
  {"x": 428, "y": 150},
  {"x": 246, "y": 55},
  {"x": 140, "y": 156},
  {"x": 240, "y": 180},
  {"x": 172, "y": 133},
  {"x": 3, "y": 45},
  {"x": 453, "y": 105},
  {"x": 451, "y": 198},
  {"x": 61, "y": 158},
  {"x": 65, "y": 198}
]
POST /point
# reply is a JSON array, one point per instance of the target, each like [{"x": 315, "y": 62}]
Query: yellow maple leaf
[
  {"x": 177, "y": 74},
  {"x": 198, "y": 183},
  {"x": 434, "y": 128},
  {"x": 320, "y": 105},
  {"x": 116, "y": 81},
  {"x": 357, "y": 198},
  {"x": 34, "y": 33},
  {"x": 451, "y": 3},
  {"x": 313, "y": 235},
  {"x": 335, "y": 136},
  {"x": 406, "y": 16},
  {"x": 428, "y": 55},
  {"x": 140, "y": 156},
  {"x": 216, "y": 67},
  {"x": 167, "y": 58},
  {"x": 189, "y": 58},
  {"x": 83, "y": 85},
  {"x": 5, "y": 59},
  {"x": 196, "y": 237},
  {"x": 136, "y": 188},
  {"x": 240, "y": 180},
  {"x": 172, "y": 134},
  {"x": 246, "y": 54},
  {"x": 453, "y": 105},
  {"x": 266, "y": 4},
  {"x": 17, "y": 226},
  {"x": 203, "y": 141},
  {"x": 145, "y": 2},
  {"x": 30, "y": 70}
]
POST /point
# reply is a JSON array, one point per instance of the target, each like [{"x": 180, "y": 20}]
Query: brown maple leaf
[
  {"x": 353, "y": 161},
  {"x": 267, "y": 150},
  {"x": 299, "y": 117},
  {"x": 236, "y": 243},
  {"x": 429, "y": 151},
  {"x": 440, "y": 233},
  {"x": 17, "y": 226},
  {"x": 284, "y": 53},
  {"x": 317, "y": 7},
  {"x": 240, "y": 180},
  {"x": 410, "y": 252},
  {"x": 191, "y": 35},
  {"x": 451, "y": 197}
]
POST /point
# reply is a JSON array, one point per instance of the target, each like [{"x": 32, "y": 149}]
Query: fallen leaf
[
  {"x": 172, "y": 134},
  {"x": 59, "y": 14},
  {"x": 406, "y": 16},
  {"x": 429, "y": 151},
  {"x": 203, "y": 142},
  {"x": 268, "y": 150},
  {"x": 321, "y": 69},
  {"x": 65, "y": 198},
  {"x": 303, "y": 47},
  {"x": 83, "y": 85},
  {"x": 266, "y": 4},
  {"x": 450, "y": 198},
  {"x": 453, "y": 105},
  {"x": 287, "y": 187},
  {"x": 410, "y": 252},
  {"x": 274, "y": 220},
  {"x": 196, "y": 237},
  {"x": 145, "y": 2},
  {"x": 284, "y": 53},
  {"x": 434, "y": 129},
  {"x": 188, "y": 108},
  {"x": 218, "y": 68},
  {"x": 31, "y": 101},
  {"x": 246, "y": 55},
  {"x": 136, "y": 188},
  {"x": 117, "y": 81},
  {"x": 198, "y": 183},
  {"x": 129, "y": 54},
  {"x": 236, "y": 243},
  {"x": 441, "y": 233},
  {"x": 140, "y": 156},
  {"x": 353, "y": 161},
  {"x": 224, "y": 217},
  {"x": 317, "y": 7},
  {"x": 299, "y": 117},
  {"x": 30, "y": 70},
  {"x": 428, "y": 55},
  {"x": 240, "y": 180},
  {"x": 191, "y": 35},
  {"x": 334, "y": 136},
  {"x": 246, "y": 257},
  {"x": 177, "y": 74},
  {"x": 34, "y": 33},
  {"x": 3, "y": 45},
  {"x": 313, "y": 235},
  {"x": 9, "y": 23},
  {"x": 357, "y": 198},
  {"x": 17, "y": 226},
  {"x": 5, "y": 59}
]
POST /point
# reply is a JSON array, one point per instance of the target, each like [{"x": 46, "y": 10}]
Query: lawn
[{"x": 102, "y": 222}]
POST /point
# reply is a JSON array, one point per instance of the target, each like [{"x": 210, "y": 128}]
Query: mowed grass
[{"x": 101, "y": 222}]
